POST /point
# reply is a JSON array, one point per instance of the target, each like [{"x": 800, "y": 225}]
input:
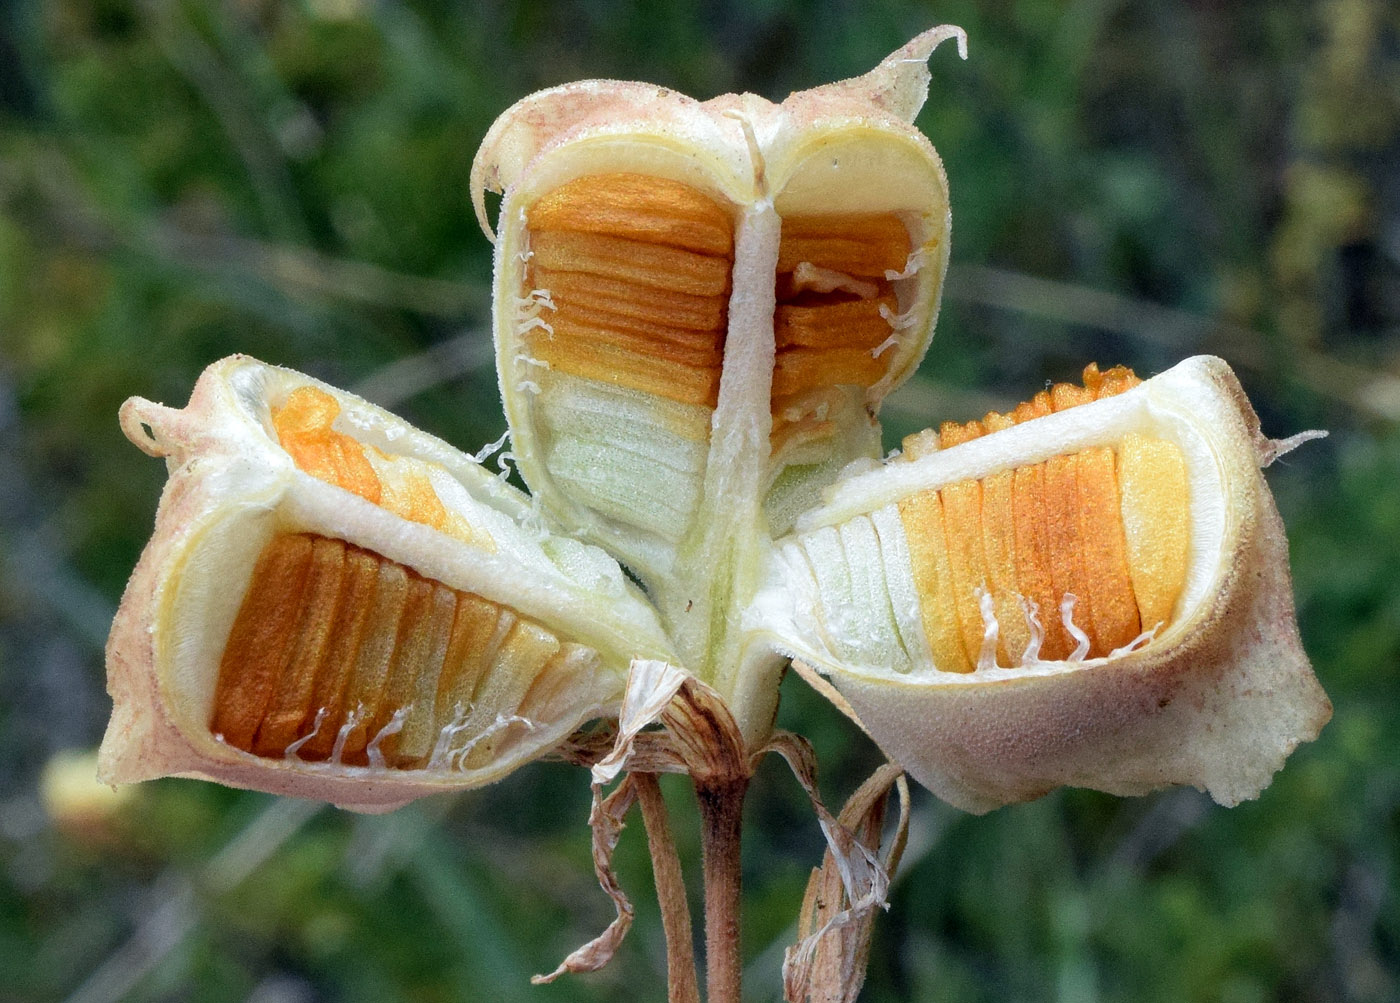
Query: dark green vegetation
[{"x": 1132, "y": 182}]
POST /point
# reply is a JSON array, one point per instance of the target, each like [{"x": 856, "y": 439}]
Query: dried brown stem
[
  {"x": 721, "y": 814},
  {"x": 682, "y": 984}
]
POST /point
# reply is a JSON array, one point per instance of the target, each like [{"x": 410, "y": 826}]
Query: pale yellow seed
[{"x": 1156, "y": 523}]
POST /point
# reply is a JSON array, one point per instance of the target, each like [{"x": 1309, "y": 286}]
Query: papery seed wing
[
  {"x": 1157, "y": 642},
  {"x": 336, "y": 605}
]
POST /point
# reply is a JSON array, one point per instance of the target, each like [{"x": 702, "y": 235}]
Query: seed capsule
[
  {"x": 1141, "y": 562},
  {"x": 336, "y": 605},
  {"x": 698, "y": 311},
  {"x": 700, "y": 307}
]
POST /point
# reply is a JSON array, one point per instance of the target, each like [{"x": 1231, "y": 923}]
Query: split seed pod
[
  {"x": 699, "y": 308},
  {"x": 1122, "y": 534},
  {"x": 335, "y": 605}
]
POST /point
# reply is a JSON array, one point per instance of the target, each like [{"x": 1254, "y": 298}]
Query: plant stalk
[
  {"x": 721, "y": 814},
  {"x": 682, "y": 984}
]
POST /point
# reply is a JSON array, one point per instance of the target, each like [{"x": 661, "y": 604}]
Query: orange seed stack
[
  {"x": 638, "y": 269},
  {"x": 832, "y": 290},
  {"x": 335, "y": 646},
  {"x": 1107, "y": 525}
]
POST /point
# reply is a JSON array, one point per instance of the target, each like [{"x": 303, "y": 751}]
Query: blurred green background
[{"x": 1132, "y": 182}]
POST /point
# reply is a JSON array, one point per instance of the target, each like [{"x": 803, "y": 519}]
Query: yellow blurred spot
[{"x": 78, "y": 805}]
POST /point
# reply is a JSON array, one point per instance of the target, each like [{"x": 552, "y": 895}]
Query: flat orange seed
[
  {"x": 478, "y": 631},
  {"x": 999, "y": 548},
  {"x": 374, "y": 657},
  {"x": 1156, "y": 514},
  {"x": 962, "y": 526},
  {"x": 1067, "y": 573},
  {"x": 922, "y": 517},
  {"x": 559, "y": 680},
  {"x": 640, "y": 207},
  {"x": 865, "y": 244},
  {"x": 1109, "y": 382},
  {"x": 1037, "y": 407},
  {"x": 411, "y": 645},
  {"x": 575, "y": 335},
  {"x": 802, "y": 369},
  {"x": 834, "y": 324},
  {"x": 423, "y": 632},
  {"x": 1113, "y": 609},
  {"x": 919, "y": 444},
  {"x": 287, "y": 712},
  {"x": 361, "y": 576},
  {"x": 632, "y": 261},
  {"x": 523, "y": 656},
  {"x": 1034, "y": 578},
  {"x": 620, "y": 300},
  {"x": 420, "y": 728},
  {"x": 616, "y": 365},
  {"x": 303, "y": 427},
  {"x": 260, "y": 642}
]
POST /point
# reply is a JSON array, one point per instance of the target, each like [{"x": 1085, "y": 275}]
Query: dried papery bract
[
  {"x": 1216, "y": 696},
  {"x": 846, "y": 893},
  {"x": 335, "y": 605}
]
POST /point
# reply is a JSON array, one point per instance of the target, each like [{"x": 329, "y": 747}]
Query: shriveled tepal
[{"x": 699, "y": 309}]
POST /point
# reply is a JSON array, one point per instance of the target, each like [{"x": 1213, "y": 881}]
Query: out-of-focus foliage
[{"x": 1132, "y": 182}]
